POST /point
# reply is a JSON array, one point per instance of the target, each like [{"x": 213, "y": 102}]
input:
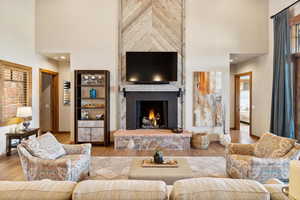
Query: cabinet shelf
[
  {"x": 88, "y": 98},
  {"x": 91, "y": 119},
  {"x": 96, "y": 108},
  {"x": 90, "y": 85}
]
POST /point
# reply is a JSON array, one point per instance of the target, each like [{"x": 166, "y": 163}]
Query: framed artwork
[
  {"x": 67, "y": 92},
  {"x": 207, "y": 99}
]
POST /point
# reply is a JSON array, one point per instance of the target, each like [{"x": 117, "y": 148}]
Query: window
[{"x": 15, "y": 90}]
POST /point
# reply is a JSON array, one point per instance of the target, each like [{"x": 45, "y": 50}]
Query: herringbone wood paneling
[{"x": 151, "y": 25}]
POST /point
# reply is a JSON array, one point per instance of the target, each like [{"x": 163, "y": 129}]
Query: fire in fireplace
[
  {"x": 152, "y": 121},
  {"x": 153, "y": 114}
]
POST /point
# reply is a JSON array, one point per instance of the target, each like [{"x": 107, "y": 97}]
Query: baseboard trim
[{"x": 63, "y": 132}]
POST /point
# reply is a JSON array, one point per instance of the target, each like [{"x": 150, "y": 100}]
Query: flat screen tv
[{"x": 151, "y": 67}]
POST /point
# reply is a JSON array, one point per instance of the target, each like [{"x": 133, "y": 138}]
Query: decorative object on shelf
[
  {"x": 67, "y": 92},
  {"x": 85, "y": 115},
  {"x": 177, "y": 130},
  {"x": 200, "y": 141},
  {"x": 100, "y": 117},
  {"x": 158, "y": 157},
  {"x": 93, "y": 93},
  {"x": 25, "y": 113},
  {"x": 92, "y": 79},
  {"x": 93, "y": 105}
]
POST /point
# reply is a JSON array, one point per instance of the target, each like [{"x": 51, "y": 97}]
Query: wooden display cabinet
[{"x": 92, "y": 96}]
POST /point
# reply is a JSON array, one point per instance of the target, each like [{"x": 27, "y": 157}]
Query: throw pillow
[
  {"x": 272, "y": 146},
  {"x": 45, "y": 147},
  {"x": 33, "y": 147}
]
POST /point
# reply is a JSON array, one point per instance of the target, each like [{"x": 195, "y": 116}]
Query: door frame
[
  {"x": 54, "y": 98},
  {"x": 237, "y": 100}
]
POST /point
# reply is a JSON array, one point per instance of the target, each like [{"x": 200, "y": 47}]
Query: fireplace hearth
[{"x": 151, "y": 110}]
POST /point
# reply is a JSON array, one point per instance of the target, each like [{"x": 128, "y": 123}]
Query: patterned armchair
[
  {"x": 266, "y": 159},
  {"x": 73, "y": 166}
]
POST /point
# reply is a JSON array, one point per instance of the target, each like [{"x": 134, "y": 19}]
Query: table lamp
[
  {"x": 24, "y": 112},
  {"x": 294, "y": 190}
]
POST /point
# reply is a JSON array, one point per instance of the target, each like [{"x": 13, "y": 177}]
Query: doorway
[
  {"x": 243, "y": 103},
  {"x": 49, "y": 107}
]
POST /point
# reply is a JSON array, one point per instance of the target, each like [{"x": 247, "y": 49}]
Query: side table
[{"x": 19, "y": 135}]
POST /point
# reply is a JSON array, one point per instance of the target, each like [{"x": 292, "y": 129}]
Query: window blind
[{"x": 16, "y": 89}]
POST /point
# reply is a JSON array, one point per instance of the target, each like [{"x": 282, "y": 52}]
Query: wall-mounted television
[{"x": 151, "y": 67}]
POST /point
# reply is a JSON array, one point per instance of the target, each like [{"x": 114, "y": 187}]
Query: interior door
[{"x": 237, "y": 103}]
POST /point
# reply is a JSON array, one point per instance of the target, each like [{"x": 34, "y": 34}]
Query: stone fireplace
[
  {"x": 144, "y": 31},
  {"x": 151, "y": 110}
]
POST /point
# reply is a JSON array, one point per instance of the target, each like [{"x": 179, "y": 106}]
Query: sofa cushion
[
  {"x": 214, "y": 188},
  {"x": 276, "y": 191},
  {"x": 272, "y": 146},
  {"x": 36, "y": 190},
  {"x": 45, "y": 147},
  {"x": 121, "y": 190}
]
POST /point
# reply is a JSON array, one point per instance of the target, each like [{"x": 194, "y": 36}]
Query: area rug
[{"x": 112, "y": 168}]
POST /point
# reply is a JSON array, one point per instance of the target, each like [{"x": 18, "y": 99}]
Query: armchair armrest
[
  {"x": 78, "y": 148},
  {"x": 270, "y": 162},
  {"x": 294, "y": 153},
  {"x": 240, "y": 149},
  {"x": 264, "y": 168}
]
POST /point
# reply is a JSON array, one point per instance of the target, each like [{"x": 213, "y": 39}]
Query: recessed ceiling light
[
  {"x": 231, "y": 60},
  {"x": 62, "y": 57}
]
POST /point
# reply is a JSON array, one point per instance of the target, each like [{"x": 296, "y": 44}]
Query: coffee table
[{"x": 168, "y": 175}]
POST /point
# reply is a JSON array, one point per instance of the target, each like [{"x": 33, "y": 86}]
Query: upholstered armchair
[
  {"x": 268, "y": 158},
  {"x": 74, "y": 165}
]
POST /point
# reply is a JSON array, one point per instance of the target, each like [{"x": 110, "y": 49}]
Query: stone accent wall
[{"x": 151, "y": 25}]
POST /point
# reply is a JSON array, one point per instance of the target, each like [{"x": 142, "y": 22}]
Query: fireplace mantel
[{"x": 151, "y": 88}]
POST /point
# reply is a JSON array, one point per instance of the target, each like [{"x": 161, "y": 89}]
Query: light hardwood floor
[{"x": 10, "y": 167}]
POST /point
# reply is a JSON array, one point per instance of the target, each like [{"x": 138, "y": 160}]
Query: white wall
[
  {"x": 17, "y": 44},
  {"x": 261, "y": 92},
  {"x": 262, "y": 68},
  {"x": 64, "y": 74},
  {"x": 214, "y": 29},
  {"x": 88, "y": 30}
]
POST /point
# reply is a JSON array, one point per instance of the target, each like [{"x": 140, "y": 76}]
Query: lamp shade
[
  {"x": 24, "y": 112},
  {"x": 294, "y": 184}
]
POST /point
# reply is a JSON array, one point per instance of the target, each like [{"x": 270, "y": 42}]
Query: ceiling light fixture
[
  {"x": 63, "y": 57},
  {"x": 231, "y": 60}
]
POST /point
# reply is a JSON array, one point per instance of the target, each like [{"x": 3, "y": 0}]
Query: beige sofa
[{"x": 198, "y": 188}]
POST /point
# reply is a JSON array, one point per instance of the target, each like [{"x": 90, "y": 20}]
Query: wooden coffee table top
[{"x": 168, "y": 175}]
